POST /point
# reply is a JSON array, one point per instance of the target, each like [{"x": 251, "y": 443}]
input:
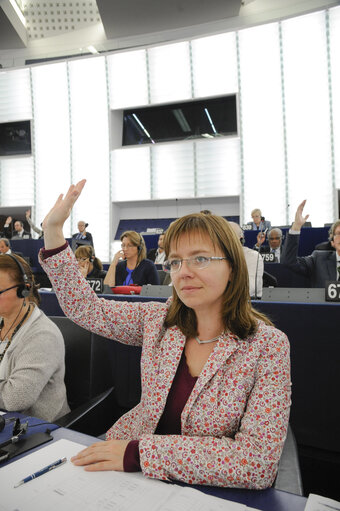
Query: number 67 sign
[{"x": 332, "y": 291}]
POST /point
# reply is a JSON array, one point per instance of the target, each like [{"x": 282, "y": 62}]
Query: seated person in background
[
  {"x": 134, "y": 268},
  {"x": 157, "y": 255},
  {"x": 83, "y": 234},
  {"x": 321, "y": 265},
  {"x": 326, "y": 245},
  {"x": 32, "y": 349},
  {"x": 216, "y": 374},
  {"x": 259, "y": 223},
  {"x": 89, "y": 265},
  {"x": 36, "y": 229},
  {"x": 274, "y": 243},
  {"x": 5, "y": 247},
  {"x": 18, "y": 233},
  {"x": 254, "y": 264}
]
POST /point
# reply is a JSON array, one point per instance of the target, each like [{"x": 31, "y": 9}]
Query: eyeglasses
[
  {"x": 197, "y": 263},
  {"x": 82, "y": 259},
  {"x": 336, "y": 234},
  {"x": 127, "y": 246},
  {"x": 8, "y": 288},
  {"x": 274, "y": 239}
]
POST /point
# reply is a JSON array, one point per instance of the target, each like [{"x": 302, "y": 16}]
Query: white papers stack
[
  {"x": 318, "y": 503},
  {"x": 70, "y": 488}
]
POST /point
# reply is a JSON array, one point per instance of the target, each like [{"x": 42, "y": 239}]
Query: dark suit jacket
[
  {"x": 12, "y": 235},
  {"x": 319, "y": 266},
  {"x": 88, "y": 237}
]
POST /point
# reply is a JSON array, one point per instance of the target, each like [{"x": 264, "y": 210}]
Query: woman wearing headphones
[
  {"x": 32, "y": 349},
  {"x": 90, "y": 266},
  {"x": 129, "y": 265}
]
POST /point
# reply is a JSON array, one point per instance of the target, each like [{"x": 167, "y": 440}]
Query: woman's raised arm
[{"x": 56, "y": 217}]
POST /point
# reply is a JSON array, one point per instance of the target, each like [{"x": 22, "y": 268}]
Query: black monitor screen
[
  {"x": 15, "y": 138},
  {"x": 207, "y": 118}
]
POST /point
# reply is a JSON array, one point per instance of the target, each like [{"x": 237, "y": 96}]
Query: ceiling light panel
[{"x": 48, "y": 19}]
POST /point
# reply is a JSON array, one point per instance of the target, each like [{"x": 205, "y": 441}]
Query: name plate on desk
[
  {"x": 96, "y": 284},
  {"x": 332, "y": 291},
  {"x": 269, "y": 258}
]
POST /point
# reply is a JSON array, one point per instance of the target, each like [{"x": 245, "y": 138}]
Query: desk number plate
[
  {"x": 332, "y": 291},
  {"x": 269, "y": 258},
  {"x": 96, "y": 284}
]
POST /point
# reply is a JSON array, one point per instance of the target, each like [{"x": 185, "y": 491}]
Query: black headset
[
  {"x": 140, "y": 246},
  {"x": 92, "y": 254},
  {"x": 23, "y": 289}
]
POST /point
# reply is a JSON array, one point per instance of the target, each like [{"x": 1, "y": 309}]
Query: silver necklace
[{"x": 210, "y": 340}]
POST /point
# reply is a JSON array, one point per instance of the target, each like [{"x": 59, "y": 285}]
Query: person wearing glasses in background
[
  {"x": 129, "y": 265},
  {"x": 89, "y": 265},
  {"x": 274, "y": 243},
  {"x": 321, "y": 265},
  {"x": 259, "y": 223},
  {"x": 215, "y": 372},
  {"x": 32, "y": 349}
]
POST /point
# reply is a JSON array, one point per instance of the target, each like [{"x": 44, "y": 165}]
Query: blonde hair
[
  {"x": 256, "y": 211},
  {"x": 238, "y": 315},
  {"x": 138, "y": 241}
]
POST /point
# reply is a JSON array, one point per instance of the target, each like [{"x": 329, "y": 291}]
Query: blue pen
[{"x": 44, "y": 470}]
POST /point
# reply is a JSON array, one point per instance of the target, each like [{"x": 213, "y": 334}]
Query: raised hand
[
  {"x": 260, "y": 238},
  {"x": 299, "y": 220},
  {"x": 8, "y": 220},
  {"x": 28, "y": 213},
  {"x": 56, "y": 217}
]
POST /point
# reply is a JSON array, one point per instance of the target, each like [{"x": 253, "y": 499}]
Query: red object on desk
[{"x": 126, "y": 290}]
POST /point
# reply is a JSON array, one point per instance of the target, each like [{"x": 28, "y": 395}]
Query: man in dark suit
[
  {"x": 19, "y": 232},
  {"x": 321, "y": 265},
  {"x": 83, "y": 235},
  {"x": 274, "y": 243}
]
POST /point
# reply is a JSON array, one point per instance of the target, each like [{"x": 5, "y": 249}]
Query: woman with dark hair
[
  {"x": 215, "y": 373},
  {"x": 89, "y": 265},
  {"x": 32, "y": 349},
  {"x": 129, "y": 265}
]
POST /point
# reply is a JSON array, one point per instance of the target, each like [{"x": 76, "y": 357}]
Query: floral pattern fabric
[{"x": 235, "y": 421}]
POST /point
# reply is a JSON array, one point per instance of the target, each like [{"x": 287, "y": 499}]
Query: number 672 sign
[{"x": 332, "y": 291}]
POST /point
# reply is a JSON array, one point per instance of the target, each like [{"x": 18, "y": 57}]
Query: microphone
[{"x": 256, "y": 271}]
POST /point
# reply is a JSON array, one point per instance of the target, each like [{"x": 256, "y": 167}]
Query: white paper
[
  {"x": 318, "y": 503},
  {"x": 2, "y": 413},
  {"x": 71, "y": 488}
]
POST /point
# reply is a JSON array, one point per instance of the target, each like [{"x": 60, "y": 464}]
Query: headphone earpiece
[
  {"x": 92, "y": 255},
  {"x": 140, "y": 246},
  {"x": 23, "y": 289}
]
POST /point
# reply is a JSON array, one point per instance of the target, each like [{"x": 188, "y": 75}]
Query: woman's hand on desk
[{"x": 107, "y": 455}]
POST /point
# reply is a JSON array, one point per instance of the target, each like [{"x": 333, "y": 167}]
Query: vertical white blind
[
  {"x": 334, "y": 23},
  {"x": 15, "y": 95},
  {"x": 17, "y": 173},
  {"x": 307, "y": 114},
  {"x": 263, "y": 149},
  {"x": 173, "y": 170},
  {"x": 90, "y": 148},
  {"x": 17, "y": 181},
  {"x": 169, "y": 73},
  {"x": 128, "y": 79},
  {"x": 131, "y": 174},
  {"x": 218, "y": 167},
  {"x": 52, "y": 136},
  {"x": 214, "y": 64}
]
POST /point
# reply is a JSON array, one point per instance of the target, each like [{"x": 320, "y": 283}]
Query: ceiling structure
[{"x": 47, "y": 29}]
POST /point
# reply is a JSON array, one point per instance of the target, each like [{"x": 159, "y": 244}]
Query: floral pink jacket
[{"x": 235, "y": 420}]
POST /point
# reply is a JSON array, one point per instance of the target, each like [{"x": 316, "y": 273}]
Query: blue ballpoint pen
[{"x": 44, "y": 470}]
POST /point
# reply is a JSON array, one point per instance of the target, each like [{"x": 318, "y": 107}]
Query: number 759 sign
[{"x": 332, "y": 291}]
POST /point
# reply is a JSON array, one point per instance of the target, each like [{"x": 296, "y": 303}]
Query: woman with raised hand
[{"x": 215, "y": 373}]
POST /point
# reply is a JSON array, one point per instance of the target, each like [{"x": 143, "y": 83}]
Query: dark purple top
[{"x": 170, "y": 422}]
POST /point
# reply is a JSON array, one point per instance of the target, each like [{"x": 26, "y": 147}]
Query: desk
[{"x": 264, "y": 500}]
